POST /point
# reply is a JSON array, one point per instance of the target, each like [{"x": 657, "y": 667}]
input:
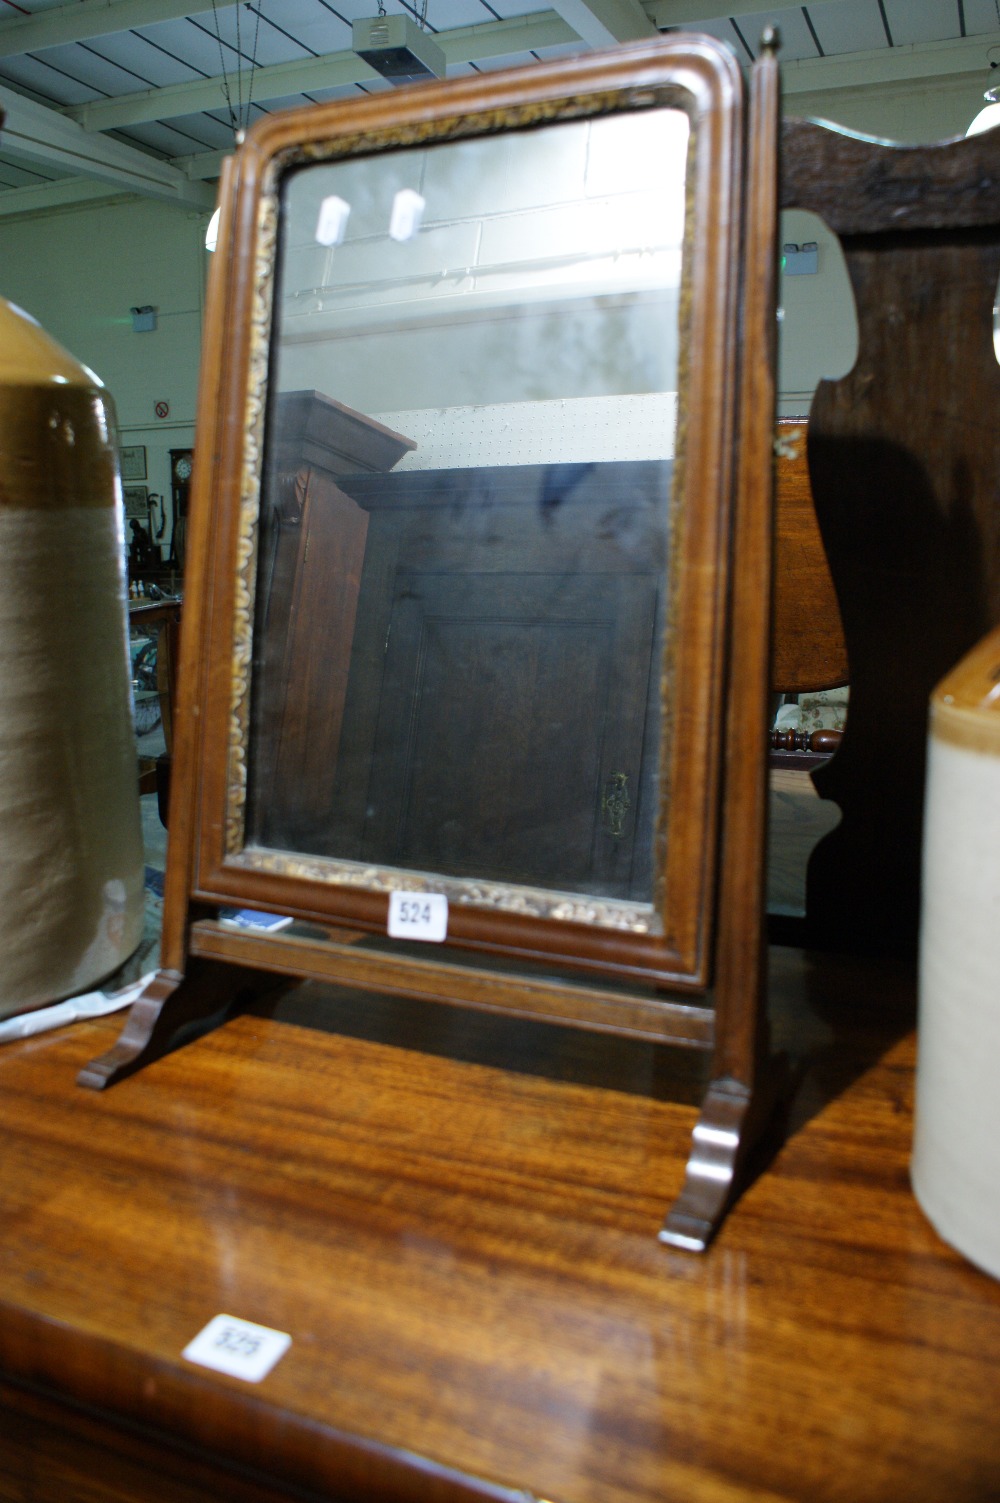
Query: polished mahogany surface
[{"x": 466, "y": 1258}]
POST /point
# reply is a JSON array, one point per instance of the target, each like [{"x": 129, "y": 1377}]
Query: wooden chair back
[
  {"x": 904, "y": 464},
  {"x": 807, "y": 639}
]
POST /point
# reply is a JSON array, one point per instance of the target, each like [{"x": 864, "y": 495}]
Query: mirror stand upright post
[{"x": 748, "y": 1081}]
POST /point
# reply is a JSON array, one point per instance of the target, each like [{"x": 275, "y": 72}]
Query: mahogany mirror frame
[{"x": 692, "y": 975}]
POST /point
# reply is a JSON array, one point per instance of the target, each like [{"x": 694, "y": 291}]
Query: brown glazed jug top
[
  {"x": 28, "y": 355},
  {"x": 57, "y": 424}
]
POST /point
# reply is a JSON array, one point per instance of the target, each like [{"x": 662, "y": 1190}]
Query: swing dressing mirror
[
  {"x": 467, "y": 543},
  {"x": 460, "y": 616}
]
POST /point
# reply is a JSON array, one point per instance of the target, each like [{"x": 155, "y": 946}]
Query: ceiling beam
[
  {"x": 688, "y": 13},
  {"x": 521, "y": 34},
  {"x": 58, "y": 194},
  {"x": 83, "y": 21},
  {"x": 201, "y": 165},
  {"x": 279, "y": 80},
  {"x": 35, "y": 134},
  {"x": 888, "y": 65},
  {"x": 601, "y": 23}
]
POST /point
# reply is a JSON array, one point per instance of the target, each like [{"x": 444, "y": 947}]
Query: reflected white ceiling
[{"x": 142, "y": 95}]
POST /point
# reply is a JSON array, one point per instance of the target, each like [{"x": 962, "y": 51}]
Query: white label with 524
[{"x": 418, "y": 915}]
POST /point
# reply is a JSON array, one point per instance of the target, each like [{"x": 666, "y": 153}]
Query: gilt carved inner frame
[{"x": 669, "y": 941}]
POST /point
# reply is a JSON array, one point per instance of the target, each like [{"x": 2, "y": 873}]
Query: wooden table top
[{"x": 466, "y": 1259}]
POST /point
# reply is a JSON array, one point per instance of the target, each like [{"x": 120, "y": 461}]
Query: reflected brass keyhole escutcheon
[{"x": 615, "y": 804}]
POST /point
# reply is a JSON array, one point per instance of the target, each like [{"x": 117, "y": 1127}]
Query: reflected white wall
[{"x": 546, "y": 268}]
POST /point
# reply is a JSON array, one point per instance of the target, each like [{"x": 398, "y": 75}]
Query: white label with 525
[{"x": 238, "y": 1347}]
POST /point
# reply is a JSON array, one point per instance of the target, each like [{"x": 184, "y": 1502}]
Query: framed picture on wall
[
  {"x": 133, "y": 461},
  {"x": 136, "y": 501}
]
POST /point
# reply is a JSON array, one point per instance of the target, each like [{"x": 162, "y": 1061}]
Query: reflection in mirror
[{"x": 462, "y": 559}]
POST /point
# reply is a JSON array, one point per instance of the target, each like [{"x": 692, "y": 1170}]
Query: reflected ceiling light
[
  {"x": 407, "y": 212},
  {"x": 212, "y": 233},
  {"x": 331, "y": 226}
]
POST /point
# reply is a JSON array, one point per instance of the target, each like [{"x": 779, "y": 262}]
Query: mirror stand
[
  {"x": 691, "y": 969},
  {"x": 749, "y": 1083}
]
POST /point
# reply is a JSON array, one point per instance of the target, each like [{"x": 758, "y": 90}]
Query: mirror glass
[{"x": 462, "y": 552}]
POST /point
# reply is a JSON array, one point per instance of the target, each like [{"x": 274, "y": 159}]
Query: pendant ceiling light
[{"x": 989, "y": 116}]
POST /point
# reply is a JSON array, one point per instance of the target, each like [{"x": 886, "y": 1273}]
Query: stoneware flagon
[
  {"x": 71, "y": 872},
  {"x": 956, "y": 1156}
]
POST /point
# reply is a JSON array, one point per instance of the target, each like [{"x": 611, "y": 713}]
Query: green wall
[{"x": 80, "y": 270}]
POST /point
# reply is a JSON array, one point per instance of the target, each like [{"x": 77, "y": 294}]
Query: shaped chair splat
[{"x": 904, "y": 461}]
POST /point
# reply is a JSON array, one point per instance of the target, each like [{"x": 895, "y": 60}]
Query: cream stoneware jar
[
  {"x": 956, "y": 1154},
  {"x": 71, "y": 866}
]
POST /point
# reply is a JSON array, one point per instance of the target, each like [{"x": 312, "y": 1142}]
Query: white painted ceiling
[{"x": 143, "y": 95}]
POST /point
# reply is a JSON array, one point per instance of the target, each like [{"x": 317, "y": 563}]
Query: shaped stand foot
[
  {"x": 170, "y": 1003},
  {"x": 732, "y": 1123}
]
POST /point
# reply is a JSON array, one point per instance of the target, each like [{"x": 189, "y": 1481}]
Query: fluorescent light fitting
[
  {"x": 397, "y": 49},
  {"x": 407, "y": 212},
  {"x": 331, "y": 226}
]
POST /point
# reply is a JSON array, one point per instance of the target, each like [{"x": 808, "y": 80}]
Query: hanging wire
[
  {"x": 239, "y": 67},
  {"x": 238, "y": 118},
  {"x": 233, "y": 121},
  {"x": 253, "y": 58}
]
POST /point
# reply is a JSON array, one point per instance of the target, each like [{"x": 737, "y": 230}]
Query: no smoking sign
[{"x": 162, "y": 409}]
